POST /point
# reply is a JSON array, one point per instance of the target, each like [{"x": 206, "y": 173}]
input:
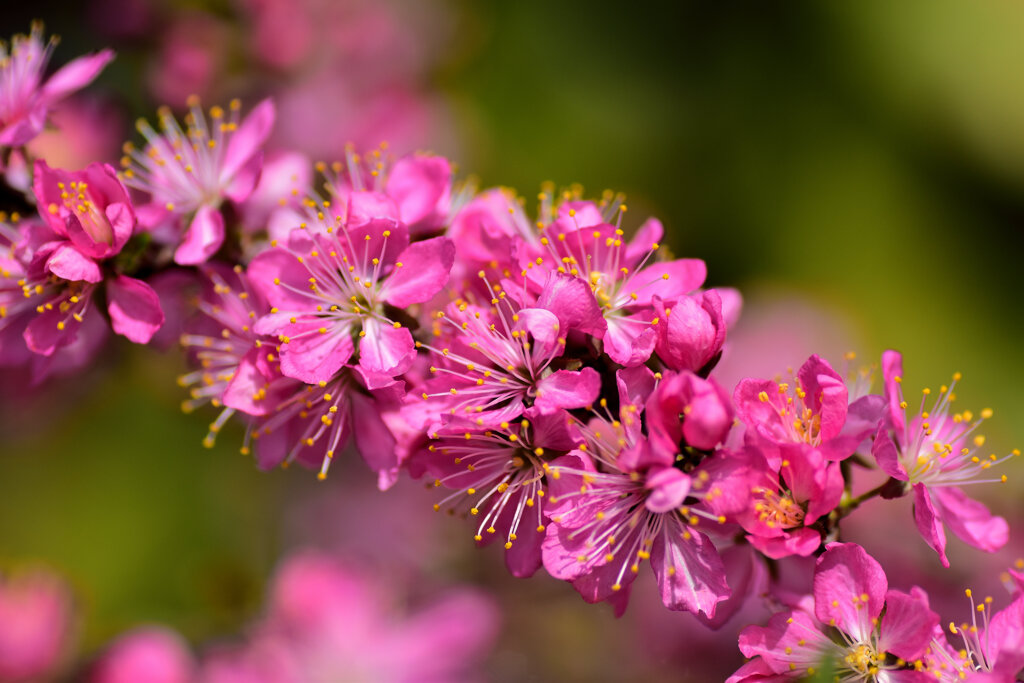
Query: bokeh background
[{"x": 856, "y": 169}]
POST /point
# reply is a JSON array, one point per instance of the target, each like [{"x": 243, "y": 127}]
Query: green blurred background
[{"x": 864, "y": 161}]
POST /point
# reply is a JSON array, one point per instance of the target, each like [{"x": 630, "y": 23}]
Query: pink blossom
[
  {"x": 812, "y": 409},
  {"x": 189, "y": 173},
  {"x": 498, "y": 475},
  {"x": 329, "y": 290},
  {"x": 850, "y": 594},
  {"x": 152, "y": 654},
  {"x": 619, "y": 500},
  {"x": 988, "y": 648},
  {"x": 326, "y": 623},
  {"x": 936, "y": 453},
  {"x": 25, "y": 99},
  {"x": 35, "y": 625},
  {"x": 64, "y": 261}
]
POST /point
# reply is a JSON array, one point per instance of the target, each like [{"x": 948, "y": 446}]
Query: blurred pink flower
[
  {"x": 325, "y": 623},
  {"x": 35, "y": 625},
  {"x": 152, "y": 654}
]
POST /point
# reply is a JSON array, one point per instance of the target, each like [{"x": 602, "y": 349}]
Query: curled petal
[
  {"x": 71, "y": 264},
  {"x": 76, "y": 74},
  {"x": 203, "y": 238},
  {"x": 929, "y": 523},
  {"x": 386, "y": 349},
  {"x": 849, "y": 589},
  {"x": 573, "y": 302},
  {"x": 567, "y": 389},
  {"x": 690, "y": 574},
  {"x": 134, "y": 309}
]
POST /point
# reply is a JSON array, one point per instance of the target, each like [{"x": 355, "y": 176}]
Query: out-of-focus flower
[
  {"x": 25, "y": 97},
  {"x": 36, "y": 626},
  {"x": 191, "y": 59},
  {"x": 324, "y": 623},
  {"x": 188, "y": 174},
  {"x": 152, "y": 654},
  {"x": 936, "y": 453}
]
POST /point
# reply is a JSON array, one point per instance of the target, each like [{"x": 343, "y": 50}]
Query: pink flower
[
  {"x": 325, "y": 623},
  {"x": 25, "y": 99},
  {"x": 850, "y": 594},
  {"x": 936, "y": 453},
  {"x": 812, "y": 410},
  {"x": 35, "y": 625},
  {"x": 88, "y": 220},
  {"x": 495, "y": 362},
  {"x": 498, "y": 475},
  {"x": 330, "y": 289},
  {"x": 152, "y": 654},
  {"x": 619, "y": 500},
  {"x": 189, "y": 173}
]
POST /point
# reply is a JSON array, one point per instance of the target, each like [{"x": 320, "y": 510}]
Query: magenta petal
[
  {"x": 907, "y": 627},
  {"x": 567, "y": 389},
  {"x": 668, "y": 489},
  {"x": 800, "y": 542},
  {"x": 691, "y": 330},
  {"x": 42, "y": 335},
  {"x": 826, "y": 394},
  {"x": 385, "y": 348},
  {"x": 69, "y": 263},
  {"x": 203, "y": 238},
  {"x": 970, "y": 520},
  {"x": 892, "y": 367},
  {"x": 122, "y": 220},
  {"x": 543, "y": 328},
  {"x": 929, "y": 523},
  {"x": 629, "y": 342},
  {"x": 845, "y": 571},
  {"x": 888, "y": 456},
  {"x": 572, "y": 301},
  {"x": 423, "y": 272},
  {"x": 245, "y": 180},
  {"x": 1006, "y": 639},
  {"x": 276, "y": 275},
  {"x": 134, "y": 309},
  {"x": 670, "y": 279},
  {"x": 313, "y": 356},
  {"x": 690, "y": 574},
  {"x": 246, "y": 142},
  {"x": 76, "y": 74},
  {"x": 523, "y": 559},
  {"x": 242, "y": 391},
  {"x": 421, "y": 186},
  {"x": 373, "y": 439}
]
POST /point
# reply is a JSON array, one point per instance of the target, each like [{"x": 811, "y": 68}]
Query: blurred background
[{"x": 856, "y": 169}]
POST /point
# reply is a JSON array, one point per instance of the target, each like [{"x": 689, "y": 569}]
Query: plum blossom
[
  {"x": 62, "y": 262},
  {"x": 25, "y": 97},
  {"x": 867, "y": 631},
  {"x": 935, "y": 453},
  {"x": 36, "y": 625},
  {"x": 812, "y": 410},
  {"x": 188, "y": 174},
  {"x": 499, "y": 477},
  {"x": 991, "y": 646},
  {"x": 326, "y": 623}
]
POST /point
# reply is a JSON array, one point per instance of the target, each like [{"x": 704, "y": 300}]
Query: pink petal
[
  {"x": 691, "y": 330},
  {"x": 245, "y": 180},
  {"x": 970, "y": 520},
  {"x": 669, "y": 280},
  {"x": 275, "y": 274},
  {"x": 421, "y": 272},
  {"x": 421, "y": 185},
  {"x": 246, "y": 142},
  {"x": 929, "y": 523},
  {"x": 668, "y": 488},
  {"x": 843, "y": 576},
  {"x": 134, "y": 309},
  {"x": 907, "y": 627},
  {"x": 1006, "y": 639},
  {"x": 543, "y": 328},
  {"x": 244, "y": 387},
  {"x": 628, "y": 341},
  {"x": 203, "y": 238},
  {"x": 567, "y": 389},
  {"x": 122, "y": 220},
  {"x": 892, "y": 367},
  {"x": 373, "y": 439},
  {"x": 312, "y": 356},
  {"x": 888, "y": 456},
  {"x": 826, "y": 394},
  {"x": 69, "y": 263},
  {"x": 573, "y": 303},
  {"x": 385, "y": 348},
  {"x": 690, "y": 573},
  {"x": 801, "y": 542},
  {"x": 76, "y": 74},
  {"x": 647, "y": 235}
]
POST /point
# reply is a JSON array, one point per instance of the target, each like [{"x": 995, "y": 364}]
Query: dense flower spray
[{"x": 551, "y": 374}]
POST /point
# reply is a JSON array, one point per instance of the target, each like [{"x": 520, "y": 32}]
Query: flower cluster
[{"x": 551, "y": 373}]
